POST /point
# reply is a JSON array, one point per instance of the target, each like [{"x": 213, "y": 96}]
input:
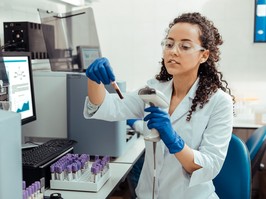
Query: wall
[{"x": 130, "y": 32}]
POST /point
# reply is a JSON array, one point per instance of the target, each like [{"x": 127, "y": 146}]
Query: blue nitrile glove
[
  {"x": 100, "y": 71},
  {"x": 131, "y": 122},
  {"x": 160, "y": 120}
]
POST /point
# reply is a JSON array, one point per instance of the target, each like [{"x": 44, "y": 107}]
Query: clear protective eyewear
[{"x": 182, "y": 47}]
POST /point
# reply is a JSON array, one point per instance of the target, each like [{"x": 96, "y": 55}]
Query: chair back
[
  {"x": 234, "y": 179},
  {"x": 256, "y": 145}
]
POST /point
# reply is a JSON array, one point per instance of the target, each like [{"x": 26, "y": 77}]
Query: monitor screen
[
  {"x": 20, "y": 92},
  {"x": 86, "y": 55}
]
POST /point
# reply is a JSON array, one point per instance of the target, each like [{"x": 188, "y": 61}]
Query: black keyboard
[{"x": 46, "y": 152}]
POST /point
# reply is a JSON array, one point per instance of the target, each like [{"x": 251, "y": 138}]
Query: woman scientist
[{"x": 196, "y": 128}]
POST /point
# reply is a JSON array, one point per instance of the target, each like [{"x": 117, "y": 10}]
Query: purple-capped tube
[
  {"x": 107, "y": 158},
  {"x": 40, "y": 191},
  {"x": 37, "y": 191},
  {"x": 98, "y": 174},
  {"x": 94, "y": 164},
  {"x": 23, "y": 185},
  {"x": 25, "y": 194},
  {"x": 86, "y": 157},
  {"x": 79, "y": 168},
  {"x": 28, "y": 189},
  {"x": 52, "y": 170},
  {"x": 88, "y": 160},
  {"x": 28, "y": 193},
  {"x": 64, "y": 165},
  {"x": 95, "y": 173},
  {"x": 60, "y": 173},
  {"x": 32, "y": 187},
  {"x": 97, "y": 161},
  {"x": 69, "y": 172},
  {"x": 69, "y": 155},
  {"x": 74, "y": 171},
  {"x": 97, "y": 157},
  {"x": 56, "y": 168},
  {"x": 100, "y": 168},
  {"x": 75, "y": 156},
  {"x": 103, "y": 163},
  {"x": 83, "y": 162}
]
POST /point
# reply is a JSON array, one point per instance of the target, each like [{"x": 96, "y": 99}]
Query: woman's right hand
[{"x": 100, "y": 71}]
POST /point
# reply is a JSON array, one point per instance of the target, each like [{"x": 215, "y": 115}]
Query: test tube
[
  {"x": 41, "y": 196},
  {"x": 59, "y": 174},
  {"x": 74, "y": 171},
  {"x": 37, "y": 189},
  {"x": 96, "y": 158},
  {"x": 86, "y": 158},
  {"x": 69, "y": 172},
  {"x": 107, "y": 161},
  {"x": 25, "y": 194},
  {"x": 117, "y": 89},
  {"x": 29, "y": 193},
  {"x": 83, "y": 162},
  {"x": 33, "y": 190},
  {"x": 79, "y": 168},
  {"x": 52, "y": 170},
  {"x": 23, "y": 185},
  {"x": 94, "y": 173},
  {"x": 104, "y": 163}
]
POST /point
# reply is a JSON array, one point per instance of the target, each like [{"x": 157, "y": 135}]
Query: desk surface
[
  {"x": 133, "y": 153},
  {"x": 119, "y": 168},
  {"x": 247, "y": 126}
]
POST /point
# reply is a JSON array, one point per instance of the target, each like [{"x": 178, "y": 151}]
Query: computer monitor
[
  {"x": 87, "y": 54},
  {"x": 20, "y": 92}
]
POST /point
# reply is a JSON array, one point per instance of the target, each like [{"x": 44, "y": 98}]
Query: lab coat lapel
[
  {"x": 168, "y": 89},
  {"x": 185, "y": 104},
  {"x": 181, "y": 109}
]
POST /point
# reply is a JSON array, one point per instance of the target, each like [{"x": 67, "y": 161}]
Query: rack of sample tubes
[{"x": 80, "y": 172}]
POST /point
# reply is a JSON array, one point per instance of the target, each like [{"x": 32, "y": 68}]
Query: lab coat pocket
[{"x": 198, "y": 127}]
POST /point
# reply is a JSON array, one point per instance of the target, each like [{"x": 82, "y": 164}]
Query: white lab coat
[{"x": 208, "y": 133}]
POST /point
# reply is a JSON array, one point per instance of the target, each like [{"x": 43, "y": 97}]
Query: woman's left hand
[{"x": 160, "y": 120}]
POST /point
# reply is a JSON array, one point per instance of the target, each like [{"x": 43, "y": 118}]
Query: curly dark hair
[{"x": 210, "y": 79}]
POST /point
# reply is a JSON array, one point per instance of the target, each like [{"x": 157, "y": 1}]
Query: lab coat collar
[
  {"x": 185, "y": 104},
  {"x": 193, "y": 89}
]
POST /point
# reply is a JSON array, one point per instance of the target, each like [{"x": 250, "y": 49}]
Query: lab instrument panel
[
  {"x": 27, "y": 37},
  {"x": 96, "y": 137},
  {"x": 10, "y": 155}
]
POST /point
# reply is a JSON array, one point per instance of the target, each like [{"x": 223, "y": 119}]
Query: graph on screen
[{"x": 20, "y": 91}]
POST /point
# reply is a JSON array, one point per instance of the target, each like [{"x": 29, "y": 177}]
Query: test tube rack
[
  {"x": 79, "y": 173},
  {"x": 82, "y": 184}
]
